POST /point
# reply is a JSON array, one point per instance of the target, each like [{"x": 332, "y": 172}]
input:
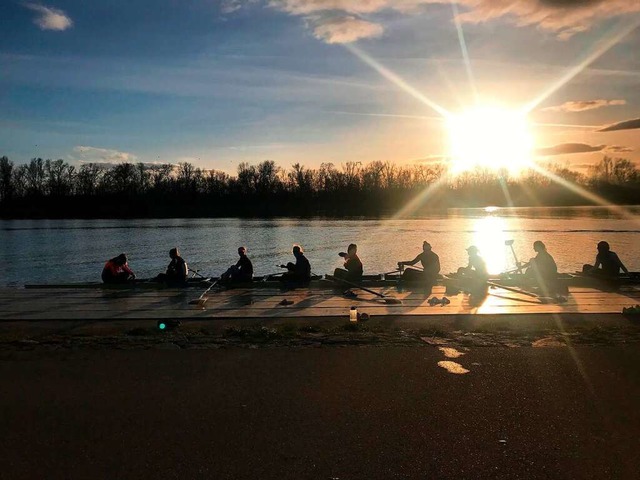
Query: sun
[{"x": 492, "y": 137}]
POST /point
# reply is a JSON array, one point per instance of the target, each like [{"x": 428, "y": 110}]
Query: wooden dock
[{"x": 103, "y": 304}]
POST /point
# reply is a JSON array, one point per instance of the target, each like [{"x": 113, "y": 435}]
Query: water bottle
[{"x": 353, "y": 314}]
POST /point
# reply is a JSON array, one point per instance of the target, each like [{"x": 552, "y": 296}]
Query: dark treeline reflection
[{"x": 56, "y": 189}]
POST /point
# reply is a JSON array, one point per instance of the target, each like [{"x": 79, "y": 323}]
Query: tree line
[{"x": 57, "y": 189}]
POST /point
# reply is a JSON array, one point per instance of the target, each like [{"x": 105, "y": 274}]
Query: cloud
[
  {"x": 619, "y": 149},
  {"x": 583, "y": 105},
  {"x": 569, "y": 149},
  {"x": 563, "y": 17},
  {"x": 101, "y": 155},
  {"x": 230, "y": 6},
  {"x": 626, "y": 125},
  {"x": 50, "y": 18},
  {"x": 343, "y": 28}
]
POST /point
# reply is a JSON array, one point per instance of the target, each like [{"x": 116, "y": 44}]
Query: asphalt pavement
[{"x": 322, "y": 413}]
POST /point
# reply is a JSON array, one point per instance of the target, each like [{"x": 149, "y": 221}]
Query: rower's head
[
  {"x": 174, "y": 253},
  {"x": 538, "y": 246},
  {"x": 426, "y": 246},
  {"x": 242, "y": 251},
  {"x": 121, "y": 259},
  {"x": 297, "y": 250},
  {"x": 603, "y": 247},
  {"x": 473, "y": 251},
  {"x": 353, "y": 249}
]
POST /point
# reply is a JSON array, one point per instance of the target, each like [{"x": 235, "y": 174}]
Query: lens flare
[{"x": 490, "y": 137}]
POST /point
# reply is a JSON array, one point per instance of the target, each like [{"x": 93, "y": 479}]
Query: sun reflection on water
[{"x": 489, "y": 235}]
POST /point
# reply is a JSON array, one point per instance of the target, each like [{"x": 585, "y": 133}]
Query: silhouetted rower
[
  {"x": 430, "y": 262},
  {"x": 353, "y": 268},
  {"x": 242, "y": 271},
  {"x": 299, "y": 272},
  {"x": 177, "y": 270},
  {"x": 117, "y": 270},
  {"x": 475, "y": 275},
  {"x": 543, "y": 269}
]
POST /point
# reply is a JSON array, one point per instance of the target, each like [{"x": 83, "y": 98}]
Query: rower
[
  {"x": 299, "y": 272},
  {"x": 177, "y": 270},
  {"x": 117, "y": 270},
  {"x": 543, "y": 269},
  {"x": 242, "y": 271},
  {"x": 430, "y": 267},
  {"x": 475, "y": 274},
  {"x": 353, "y": 269},
  {"x": 607, "y": 263}
]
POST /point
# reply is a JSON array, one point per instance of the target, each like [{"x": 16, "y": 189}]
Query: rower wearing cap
[
  {"x": 430, "y": 265},
  {"x": 475, "y": 274}
]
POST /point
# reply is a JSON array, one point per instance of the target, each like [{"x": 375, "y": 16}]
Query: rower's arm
[
  {"x": 411, "y": 262},
  {"x": 621, "y": 265},
  {"x": 596, "y": 264}
]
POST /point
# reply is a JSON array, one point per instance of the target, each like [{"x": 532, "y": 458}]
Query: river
[{"x": 49, "y": 251}]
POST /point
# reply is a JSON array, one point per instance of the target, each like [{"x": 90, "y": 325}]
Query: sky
[{"x": 217, "y": 83}]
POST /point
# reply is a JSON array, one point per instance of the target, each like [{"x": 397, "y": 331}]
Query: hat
[
  {"x": 426, "y": 244},
  {"x": 472, "y": 249}
]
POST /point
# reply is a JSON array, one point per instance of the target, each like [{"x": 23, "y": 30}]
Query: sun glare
[{"x": 490, "y": 137}]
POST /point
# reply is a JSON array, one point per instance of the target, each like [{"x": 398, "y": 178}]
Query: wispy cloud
[
  {"x": 85, "y": 154},
  {"x": 619, "y": 149},
  {"x": 583, "y": 105},
  {"x": 49, "y": 18},
  {"x": 569, "y": 149},
  {"x": 563, "y": 17},
  {"x": 626, "y": 125},
  {"x": 343, "y": 28},
  {"x": 230, "y": 6}
]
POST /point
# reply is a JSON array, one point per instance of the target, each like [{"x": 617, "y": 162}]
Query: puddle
[
  {"x": 451, "y": 352},
  {"x": 453, "y": 367}
]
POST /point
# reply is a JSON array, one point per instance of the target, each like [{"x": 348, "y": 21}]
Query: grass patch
[
  {"x": 288, "y": 330},
  {"x": 311, "y": 329},
  {"x": 432, "y": 332}
]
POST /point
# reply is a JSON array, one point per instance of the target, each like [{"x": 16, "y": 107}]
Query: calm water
[{"x": 41, "y": 251}]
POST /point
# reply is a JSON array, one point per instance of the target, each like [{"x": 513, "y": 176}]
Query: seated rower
[
  {"x": 242, "y": 271},
  {"x": 117, "y": 270},
  {"x": 543, "y": 269},
  {"x": 430, "y": 266},
  {"x": 475, "y": 274},
  {"x": 353, "y": 269},
  {"x": 177, "y": 270},
  {"x": 607, "y": 263},
  {"x": 299, "y": 272}
]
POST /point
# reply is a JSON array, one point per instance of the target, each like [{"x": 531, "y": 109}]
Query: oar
[
  {"x": 523, "y": 292},
  {"x": 266, "y": 278},
  {"x": 387, "y": 300},
  {"x": 201, "y": 300},
  {"x": 514, "y": 290},
  {"x": 196, "y": 273}
]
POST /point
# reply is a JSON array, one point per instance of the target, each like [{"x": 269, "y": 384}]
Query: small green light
[{"x": 162, "y": 326}]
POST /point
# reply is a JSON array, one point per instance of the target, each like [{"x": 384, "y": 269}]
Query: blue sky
[{"x": 218, "y": 83}]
